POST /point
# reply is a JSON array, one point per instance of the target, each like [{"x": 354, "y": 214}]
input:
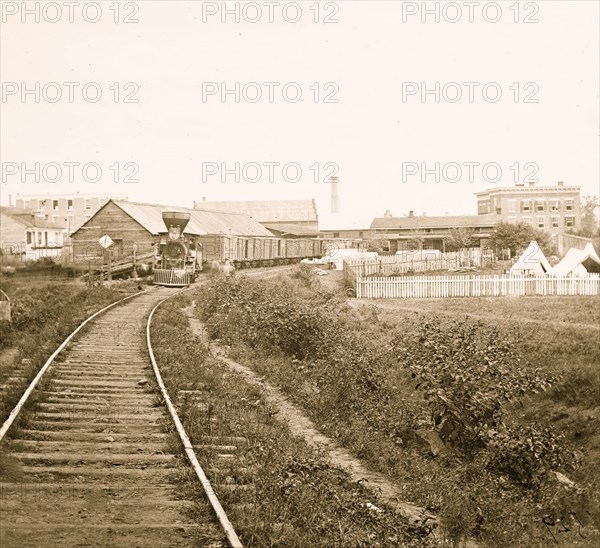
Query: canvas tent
[
  {"x": 532, "y": 262},
  {"x": 578, "y": 262}
]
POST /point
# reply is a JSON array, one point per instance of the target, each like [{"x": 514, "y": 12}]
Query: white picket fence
[
  {"x": 413, "y": 262},
  {"x": 429, "y": 287}
]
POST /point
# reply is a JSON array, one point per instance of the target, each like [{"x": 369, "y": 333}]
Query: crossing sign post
[{"x": 106, "y": 242}]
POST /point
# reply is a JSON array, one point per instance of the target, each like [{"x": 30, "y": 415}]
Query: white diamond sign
[{"x": 105, "y": 241}]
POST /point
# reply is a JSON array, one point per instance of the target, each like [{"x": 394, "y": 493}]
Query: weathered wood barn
[{"x": 136, "y": 225}]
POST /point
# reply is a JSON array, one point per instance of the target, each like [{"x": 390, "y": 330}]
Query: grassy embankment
[
  {"x": 277, "y": 491},
  {"x": 513, "y": 401}
]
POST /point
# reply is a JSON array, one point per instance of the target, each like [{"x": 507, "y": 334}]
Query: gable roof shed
[{"x": 202, "y": 223}]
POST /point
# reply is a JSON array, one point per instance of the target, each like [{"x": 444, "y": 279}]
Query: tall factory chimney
[{"x": 335, "y": 194}]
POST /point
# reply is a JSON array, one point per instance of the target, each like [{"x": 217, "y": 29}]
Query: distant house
[
  {"x": 27, "y": 237},
  {"x": 136, "y": 225},
  {"x": 272, "y": 213},
  {"x": 403, "y": 232}
]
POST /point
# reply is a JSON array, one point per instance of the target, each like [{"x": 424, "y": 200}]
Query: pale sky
[{"x": 366, "y": 59}]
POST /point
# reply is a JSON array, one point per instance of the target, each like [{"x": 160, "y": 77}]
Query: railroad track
[{"x": 92, "y": 461}]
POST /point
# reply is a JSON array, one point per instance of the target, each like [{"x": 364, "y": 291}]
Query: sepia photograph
[{"x": 300, "y": 274}]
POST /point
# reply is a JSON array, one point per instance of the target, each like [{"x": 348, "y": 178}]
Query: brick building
[
  {"x": 67, "y": 210},
  {"x": 554, "y": 209}
]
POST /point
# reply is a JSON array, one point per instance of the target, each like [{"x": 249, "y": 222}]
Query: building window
[
  {"x": 540, "y": 206},
  {"x": 527, "y": 221},
  {"x": 511, "y": 220},
  {"x": 57, "y": 237},
  {"x": 555, "y": 205},
  {"x": 555, "y": 222},
  {"x": 88, "y": 204},
  {"x": 87, "y": 217},
  {"x": 70, "y": 204},
  {"x": 54, "y": 205},
  {"x": 29, "y": 238},
  {"x": 569, "y": 220},
  {"x": 39, "y": 238},
  {"x": 336, "y": 234},
  {"x": 569, "y": 205},
  {"x": 541, "y": 222},
  {"x": 70, "y": 221},
  {"x": 55, "y": 218},
  {"x": 511, "y": 206},
  {"x": 526, "y": 206}
]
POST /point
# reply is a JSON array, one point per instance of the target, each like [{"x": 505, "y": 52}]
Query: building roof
[
  {"x": 292, "y": 228},
  {"x": 267, "y": 211},
  {"x": 425, "y": 221},
  {"x": 201, "y": 222},
  {"x": 29, "y": 220},
  {"x": 528, "y": 189}
]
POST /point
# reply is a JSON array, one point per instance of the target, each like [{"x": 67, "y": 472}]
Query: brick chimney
[
  {"x": 561, "y": 183},
  {"x": 411, "y": 213},
  {"x": 387, "y": 213}
]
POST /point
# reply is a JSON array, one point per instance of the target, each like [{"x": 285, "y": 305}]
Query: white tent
[
  {"x": 532, "y": 262},
  {"x": 578, "y": 262}
]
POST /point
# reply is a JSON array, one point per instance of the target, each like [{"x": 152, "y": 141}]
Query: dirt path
[
  {"x": 92, "y": 464},
  {"x": 300, "y": 425}
]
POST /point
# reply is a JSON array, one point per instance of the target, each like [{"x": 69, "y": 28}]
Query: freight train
[{"x": 180, "y": 257}]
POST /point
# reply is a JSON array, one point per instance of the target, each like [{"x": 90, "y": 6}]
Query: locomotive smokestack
[
  {"x": 335, "y": 194},
  {"x": 175, "y": 218}
]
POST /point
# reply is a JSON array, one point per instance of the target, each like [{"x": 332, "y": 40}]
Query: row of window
[
  {"x": 539, "y": 206},
  {"x": 540, "y": 221},
  {"x": 32, "y": 237},
  {"x": 530, "y": 206},
  {"x": 39, "y": 205},
  {"x": 69, "y": 218}
]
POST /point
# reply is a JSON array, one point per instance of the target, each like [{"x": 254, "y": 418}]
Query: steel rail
[{"x": 232, "y": 537}]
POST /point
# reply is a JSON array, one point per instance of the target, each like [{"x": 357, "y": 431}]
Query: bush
[{"x": 469, "y": 373}]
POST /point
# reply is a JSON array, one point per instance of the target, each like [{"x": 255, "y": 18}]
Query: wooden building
[
  {"x": 136, "y": 225},
  {"x": 431, "y": 231}
]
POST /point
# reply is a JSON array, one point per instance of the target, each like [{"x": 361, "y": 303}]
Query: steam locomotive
[{"x": 178, "y": 257}]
